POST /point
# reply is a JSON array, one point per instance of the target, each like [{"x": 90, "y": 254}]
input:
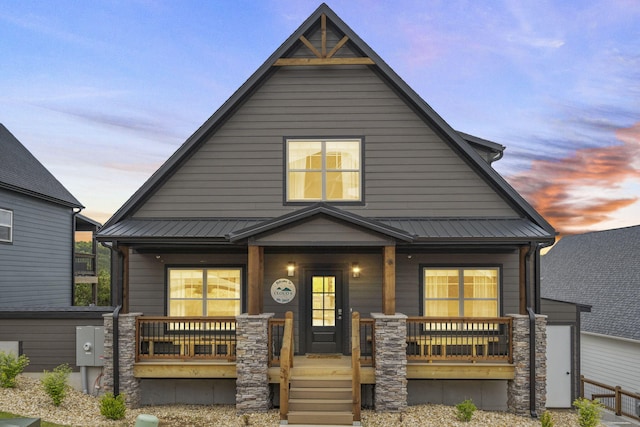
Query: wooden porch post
[
  {"x": 389, "y": 281},
  {"x": 523, "y": 288},
  {"x": 255, "y": 265}
]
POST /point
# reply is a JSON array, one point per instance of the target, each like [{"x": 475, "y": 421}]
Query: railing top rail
[
  {"x": 458, "y": 319},
  {"x": 186, "y": 319}
]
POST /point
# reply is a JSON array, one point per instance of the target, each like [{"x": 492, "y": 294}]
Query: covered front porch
[{"x": 327, "y": 384}]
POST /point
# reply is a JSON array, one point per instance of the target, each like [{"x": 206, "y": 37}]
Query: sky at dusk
[{"x": 103, "y": 92}]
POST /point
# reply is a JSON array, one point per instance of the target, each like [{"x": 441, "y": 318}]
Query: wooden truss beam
[{"x": 321, "y": 56}]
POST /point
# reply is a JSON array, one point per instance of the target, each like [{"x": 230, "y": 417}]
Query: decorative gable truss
[{"x": 322, "y": 57}]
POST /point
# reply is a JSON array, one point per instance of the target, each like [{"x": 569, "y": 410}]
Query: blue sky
[{"x": 103, "y": 92}]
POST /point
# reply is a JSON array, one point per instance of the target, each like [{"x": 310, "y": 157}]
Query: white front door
[{"x": 559, "y": 366}]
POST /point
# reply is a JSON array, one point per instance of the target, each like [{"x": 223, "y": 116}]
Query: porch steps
[{"x": 319, "y": 399}]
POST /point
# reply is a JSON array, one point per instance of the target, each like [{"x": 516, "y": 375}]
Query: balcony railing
[
  {"x": 186, "y": 338},
  {"x": 464, "y": 339},
  {"x": 85, "y": 264}
]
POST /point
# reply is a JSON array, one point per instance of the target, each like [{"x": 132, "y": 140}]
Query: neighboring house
[
  {"x": 323, "y": 187},
  {"x": 601, "y": 269},
  {"x": 38, "y": 221}
]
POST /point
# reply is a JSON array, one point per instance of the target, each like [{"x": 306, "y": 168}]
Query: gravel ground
[{"x": 80, "y": 410}]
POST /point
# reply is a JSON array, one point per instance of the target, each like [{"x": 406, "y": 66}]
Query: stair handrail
[
  {"x": 355, "y": 364},
  {"x": 286, "y": 363}
]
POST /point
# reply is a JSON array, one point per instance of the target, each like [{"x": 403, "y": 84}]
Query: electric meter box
[{"x": 89, "y": 345}]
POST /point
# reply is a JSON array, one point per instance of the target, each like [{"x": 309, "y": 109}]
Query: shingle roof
[
  {"x": 20, "y": 171},
  {"x": 601, "y": 269}
]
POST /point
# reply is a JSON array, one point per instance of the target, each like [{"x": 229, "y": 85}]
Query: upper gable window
[
  {"x": 324, "y": 170},
  {"x": 6, "y": 225}
]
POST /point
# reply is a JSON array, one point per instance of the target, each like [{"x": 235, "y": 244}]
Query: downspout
[
  {"x": 116, "y": 316},
  {"x": 532, "y": 363},
  {"x": 116, "y": 351},
  {"x": 532, "y": 332}
]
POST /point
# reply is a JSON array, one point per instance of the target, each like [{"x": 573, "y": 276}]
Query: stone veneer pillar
[
  {"x": 252, "y": 363},
  {"x": 518, "y": 390},
  {"x": 128, "y": 384},
  {"x": 391, "y": 362}
]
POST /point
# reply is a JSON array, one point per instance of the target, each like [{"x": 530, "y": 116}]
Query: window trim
[
  {"x": 285, "y": 171},
  {"x": 462, "y": 267},
  {"x": 204, "y": 267},
  {"x": 10, "y": 226}
]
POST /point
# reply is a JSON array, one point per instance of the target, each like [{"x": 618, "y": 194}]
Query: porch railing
[
  {"x": 464, "y": 339},
  {"x": 622, "y": 402},
  {"x": 367, "y": 342},
  {"x": 185, "y": 338},
  {"x": 276, "y": 335},
  {"x": 355, "y": 365}
]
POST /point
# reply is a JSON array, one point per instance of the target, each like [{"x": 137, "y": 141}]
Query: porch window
[
  {"x": 324, "y": 170},
  {"x": 6, "y": 225},
  {"x": 460, "y": 292},
  {"x": 204, "y": 292}
]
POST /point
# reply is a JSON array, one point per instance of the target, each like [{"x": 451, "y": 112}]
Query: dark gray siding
[
  {"x": 47, "y": 342},
  {"x": 408, "y": 277},
  {"x": 323, "y": 232},
  {"x": 409, "y": 170},
  {"x": 147, "y": 276},
  {"x": 35, "y": 269},
  {"x": 559, "y": 312}
]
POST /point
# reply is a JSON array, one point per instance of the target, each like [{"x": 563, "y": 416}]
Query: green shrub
[
  {"x": 465, "y": 410},
  {"x": 10, "y": 367},
  {"x": 112, "y": 407},
  {"x": 546, "y": 419},
  {"x": 588, "y": 412},
  {"x": 55, "y": 383}
]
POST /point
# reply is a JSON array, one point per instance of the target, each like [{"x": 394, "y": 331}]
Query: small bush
[
  {"x": 55, "y": 383},
  {"x": 10, "y": 367},
  {"x": 112, "y": 407},
  {"x": 546, "y": 419},
  {"x": 588, "y": 412},
  {"x": 465, "y": 410}
]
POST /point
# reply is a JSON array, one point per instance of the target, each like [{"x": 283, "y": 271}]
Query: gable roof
[
  {"x": 320, "y": 209},
  {"x": 600, "y": 269},
  {"x": 20, "y": 171},
  {"x": 450, "y": 136}
]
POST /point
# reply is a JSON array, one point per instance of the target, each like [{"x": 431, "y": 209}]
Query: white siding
[{"x": 611, "y": 361}]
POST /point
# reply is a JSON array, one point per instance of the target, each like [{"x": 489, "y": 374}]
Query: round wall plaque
[{"x": 283, "y": 291}]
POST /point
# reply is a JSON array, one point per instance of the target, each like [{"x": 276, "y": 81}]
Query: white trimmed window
[
  {"x": 461, "y": 292},
  {"x": 204, "y": 292},
  {"x": 6, "y": 225},
  {"x": 324, "y": 170}
]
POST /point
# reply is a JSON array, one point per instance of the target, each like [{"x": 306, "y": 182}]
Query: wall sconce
[
  {"x": 291, "y": 269},
  {"x": 355, "y": 270}
]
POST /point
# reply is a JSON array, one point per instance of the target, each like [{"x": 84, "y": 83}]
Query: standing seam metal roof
[{"x": 424, "y": 229}]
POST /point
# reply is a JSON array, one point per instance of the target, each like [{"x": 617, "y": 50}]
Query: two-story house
[{"x": 326, "y": 228}]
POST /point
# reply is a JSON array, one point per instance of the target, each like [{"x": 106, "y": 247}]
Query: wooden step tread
[{"x": 320, "y": 418}]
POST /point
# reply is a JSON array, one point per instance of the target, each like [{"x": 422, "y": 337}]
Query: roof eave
[{"x": 67, "y": 203}]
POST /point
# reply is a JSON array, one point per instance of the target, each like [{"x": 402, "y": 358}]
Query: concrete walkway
[{"x": 612, "y": 420}]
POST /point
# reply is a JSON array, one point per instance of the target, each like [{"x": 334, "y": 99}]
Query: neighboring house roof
[
  {"x": 600, "y": 269},
  {"x": 20, "y": 171},
  {"x": 450, "y": 136}
]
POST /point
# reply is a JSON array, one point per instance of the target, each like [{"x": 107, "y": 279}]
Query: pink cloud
[{"x": 557, "y": 188}]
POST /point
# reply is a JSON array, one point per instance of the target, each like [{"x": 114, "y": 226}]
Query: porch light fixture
[
  {"x": 291, "y": 269},
  {"x": 355, "y": 270}
]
